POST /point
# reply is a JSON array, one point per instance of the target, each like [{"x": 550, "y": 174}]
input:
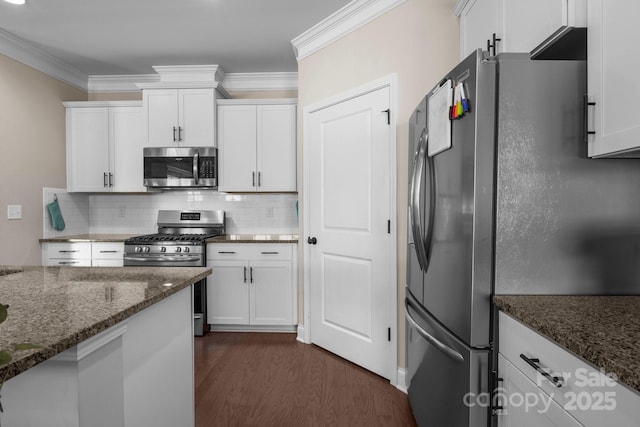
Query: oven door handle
[{"x": 156, "y": 259}]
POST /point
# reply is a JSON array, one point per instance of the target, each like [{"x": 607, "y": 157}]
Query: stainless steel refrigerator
[{"x": 503, "y": 200}]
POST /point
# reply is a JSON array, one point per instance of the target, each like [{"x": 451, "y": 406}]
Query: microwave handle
[{"x": 195, "y": 167}]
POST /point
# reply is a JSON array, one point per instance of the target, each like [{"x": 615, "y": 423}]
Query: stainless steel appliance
[
  {"x": 180, "y": 242},
  {"x": 180, "y": 167},
  {"x": 512, "y": 206}
]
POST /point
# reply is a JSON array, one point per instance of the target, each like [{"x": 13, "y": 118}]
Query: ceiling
[{"x": 121, "y": 37}]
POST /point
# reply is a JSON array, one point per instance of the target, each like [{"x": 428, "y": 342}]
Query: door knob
[{"x": 312, "y": 240}]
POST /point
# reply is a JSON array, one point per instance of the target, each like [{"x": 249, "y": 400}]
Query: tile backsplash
[{"x": 245, "y": 213}]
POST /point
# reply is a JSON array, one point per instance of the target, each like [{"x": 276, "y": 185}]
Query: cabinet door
[
  {"x": 525, "y": 405},
  {"x": 237, "y": 147},
  {"x": 228, "y": 293},
  {"x": 478, "y": 21},
  {"x": 271, "y": 301},
  {"x": 276, "y": 148},
  {"x": 196, "y": 117},
  {"x": 611, "y": 78},
  {"x": 87, "y": 149},
  {"x": 527, "y": 23},
  {"x": 126, "y": 142},
  {"x": 161, "y": 110}
]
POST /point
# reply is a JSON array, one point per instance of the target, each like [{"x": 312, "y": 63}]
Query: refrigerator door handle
[
  {"x": 414, "y": 200},
  {"x": 439, "y": 345}
]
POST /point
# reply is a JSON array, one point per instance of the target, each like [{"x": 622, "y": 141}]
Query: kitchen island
[{"x": 115, "y": 345}]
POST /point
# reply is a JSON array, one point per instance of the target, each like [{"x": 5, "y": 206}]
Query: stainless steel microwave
[{"x": 181, "y": 167}]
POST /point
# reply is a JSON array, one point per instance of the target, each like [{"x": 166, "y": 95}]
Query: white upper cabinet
[
  {"x": 180, "y": 117},
  {"x": 518, "y": 25},
  {"x": 614, "y": 127},
  {"x": 104, "y": 146},
  {"x": 257, "y": 145}
]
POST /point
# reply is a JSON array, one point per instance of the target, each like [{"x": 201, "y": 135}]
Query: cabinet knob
[{"x": 312, "y": 240}]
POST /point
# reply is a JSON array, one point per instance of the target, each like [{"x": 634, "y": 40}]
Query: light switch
[{"x": 14, "y": 211}]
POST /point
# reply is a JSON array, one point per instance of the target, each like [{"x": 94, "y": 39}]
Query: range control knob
[
  {"x": 137, "y": 249},
  {"x": 178, "y": 249},
  {"x": 146, "y": 249},
  {"x": 163, "y": 249},
  {"x": 186, "y": 249}
]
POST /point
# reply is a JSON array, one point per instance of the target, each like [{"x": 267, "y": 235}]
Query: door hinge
[
  {"x": 388, "y": 226},
  {"x": 388, "y": 111},
  {"x": 389, "y": 334}
]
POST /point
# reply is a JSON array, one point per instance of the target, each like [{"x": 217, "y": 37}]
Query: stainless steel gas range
[{"x": 179, "y": 242}]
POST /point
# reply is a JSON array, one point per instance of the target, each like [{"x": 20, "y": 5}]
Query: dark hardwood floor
[{"x": 265, "y": 379}]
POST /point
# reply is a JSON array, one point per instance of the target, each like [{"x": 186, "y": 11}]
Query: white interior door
[{"x": 350, "y": 264}]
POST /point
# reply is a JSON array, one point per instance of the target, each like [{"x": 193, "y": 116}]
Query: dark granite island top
[
  {"x": 59, "y": 307},
  {"x": 603, "y": 330}
]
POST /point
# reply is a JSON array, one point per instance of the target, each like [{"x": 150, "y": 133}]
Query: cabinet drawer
[
  {"x": 107, "y": 250},
  {"x": 69, "y": 262},
  {"x": 69, "y": 250},
  {"x": 588, "y": 394},
  {"x": 249, "y": 251}
]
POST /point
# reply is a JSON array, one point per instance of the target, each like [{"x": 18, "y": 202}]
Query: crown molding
[
  {"x": 460, "y": 4},
  {"x": 23, "y": 52},
  {"x": 120, "y": 83},
  {"x": 346, "y": 20},
  {"x": 239, "y": 82}
]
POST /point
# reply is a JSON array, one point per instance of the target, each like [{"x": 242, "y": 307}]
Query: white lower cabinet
[
  {"x": 572, "y": 393},
  {"x": 252, "y": 284},
  {"x": 83, "y": 254}
]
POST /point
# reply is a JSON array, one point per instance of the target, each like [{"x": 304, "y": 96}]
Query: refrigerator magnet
[{"x": 438, "y": 121}]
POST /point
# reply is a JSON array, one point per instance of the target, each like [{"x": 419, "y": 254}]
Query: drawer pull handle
[
  {"x": 65, "y": 252},
  {"x": 108, "y": 252},
  {"x": 270, "y": 253},
  {"x": 535, "y": 364},
  {"x": 67, "y": 262},
  {"x": 226, "y": 252}
]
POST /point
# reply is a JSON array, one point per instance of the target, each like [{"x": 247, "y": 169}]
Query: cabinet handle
[
  {"x": 587, "y": 104},
  {"x": 179, "y": 133},
  {"x": 269, "y": 253},
  {"x": 67, "y": 262},
  {"x": 259, "y": 173},
  {"x": 174, "y": 134},
  {"x": 250, "y": 274},
  {"x": 253, "y": 179},
  {"x": 67, "y": 251},
  {"x": 110, "y": 179},
  {"x": 492, "y": 47},
  {"x": 226, "y": 252},
  {"x": 104, "y": 179},
  {"x": 108, "y": 252},
  {"x": 535, "y": 364},
  {"x": 245, "y": 274}
]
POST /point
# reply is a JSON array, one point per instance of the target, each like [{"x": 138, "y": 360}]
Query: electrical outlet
[
  {"x": 270, "y": 212},
  {"x": 14, "y": 211},
  {"x": 122, "y": 211}
]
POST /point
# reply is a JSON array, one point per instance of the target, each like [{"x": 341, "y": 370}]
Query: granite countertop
[
  {"x": 255, "y": 238},
  {"x": 603, "y": 330},
  {"x": 59, "y": 307},
  {"x": 87, "y": 238}
]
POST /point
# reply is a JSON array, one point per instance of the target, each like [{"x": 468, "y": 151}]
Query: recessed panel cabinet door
[
  {"x": 161, "y": 109},
  {"x": 276, "y": 147},
  {"x": 127, "y": 140},
  {"x": 196, "y": 118},
  {"x": 228, "y": 293},
  {"x": 271, "y": 293},
  {"x": 87, "y": 149},
  {"x": 237, "y": 147},
  {"x": 612, "y": 77}
]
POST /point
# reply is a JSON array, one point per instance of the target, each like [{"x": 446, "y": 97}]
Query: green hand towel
[{"x": 56, "y": 216}]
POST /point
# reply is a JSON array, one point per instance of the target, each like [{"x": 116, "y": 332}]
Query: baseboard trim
[
  {"x": 402, "y": 380},
  {"x": 253, "y": 328},
  {"x": 300, "y": 336}
]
